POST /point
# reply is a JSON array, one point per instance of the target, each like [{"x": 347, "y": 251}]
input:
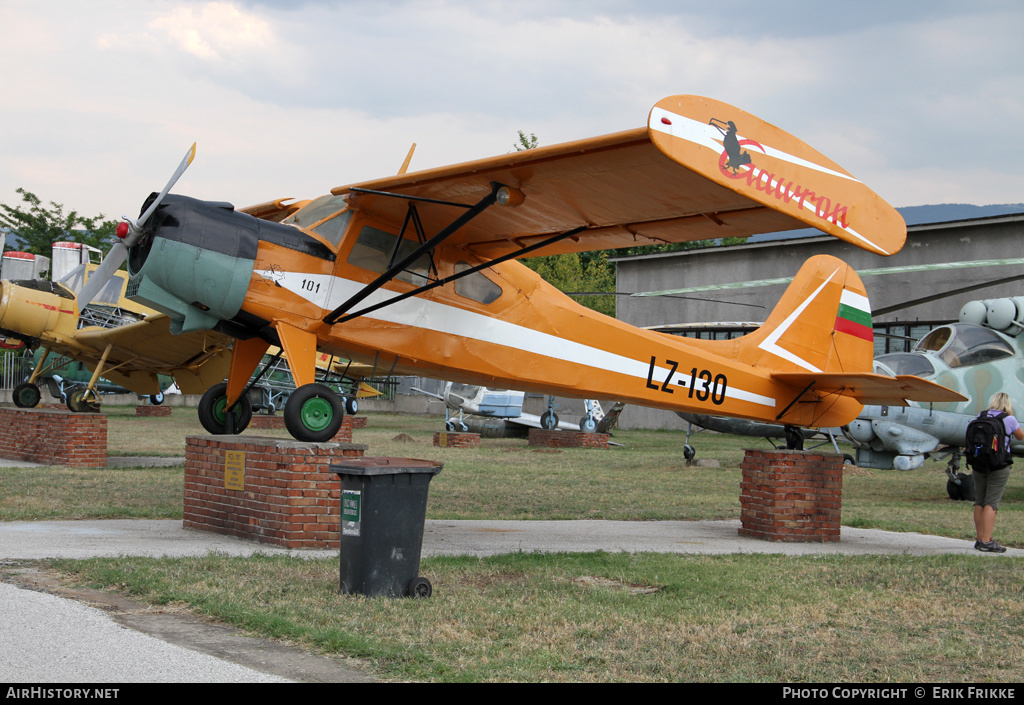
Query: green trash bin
[{"x": 383, "y": 509}]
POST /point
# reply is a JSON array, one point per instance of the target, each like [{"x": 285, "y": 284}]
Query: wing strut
[
  {"x": 471, "y": 212},
  {"x": 341, "y": 317},
  {"x": 797, "y": 398}
]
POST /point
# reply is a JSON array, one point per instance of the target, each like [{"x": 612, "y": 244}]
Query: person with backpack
[{"x": 988, "y": 455}]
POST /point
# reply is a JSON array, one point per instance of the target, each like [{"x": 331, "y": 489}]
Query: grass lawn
[{"x": 586, "y": 617}]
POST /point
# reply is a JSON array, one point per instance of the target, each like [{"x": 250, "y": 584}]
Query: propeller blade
[
  {"x": 119, "y": 252},
  {"x": 170, "y": 184},
  {"x": 117, "y": 255}
]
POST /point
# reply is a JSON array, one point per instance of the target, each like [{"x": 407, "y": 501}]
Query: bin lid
[{"x": 385, "y": 466}]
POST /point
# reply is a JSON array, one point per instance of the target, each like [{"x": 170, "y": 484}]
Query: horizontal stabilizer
[{"x": 869, "y": 388}]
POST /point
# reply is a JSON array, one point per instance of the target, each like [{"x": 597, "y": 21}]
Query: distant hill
[{"x": 918, "y": 215}]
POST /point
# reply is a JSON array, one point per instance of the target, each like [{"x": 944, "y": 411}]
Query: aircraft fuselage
[{"x": 208, "y": 266}]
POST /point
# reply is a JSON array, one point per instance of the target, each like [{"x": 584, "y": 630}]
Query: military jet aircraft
[
  {"x": 476, "y": 400},
  {"x": 420, "y": 268}
]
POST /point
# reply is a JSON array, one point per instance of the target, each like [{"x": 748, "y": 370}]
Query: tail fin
[
  {"x": 821, "y": 324},
  {"x": 819, "y": 343}
]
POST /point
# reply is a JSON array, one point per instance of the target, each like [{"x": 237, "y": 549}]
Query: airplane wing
[
  {"x": 140, "y": 351},
  {"x": 873, "y": 388},
  {"x": 699, "y": 169}
]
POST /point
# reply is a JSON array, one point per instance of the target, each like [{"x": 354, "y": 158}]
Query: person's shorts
[{"x": 988, "y": 488}]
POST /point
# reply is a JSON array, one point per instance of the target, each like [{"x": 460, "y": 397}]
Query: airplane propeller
[{"x": 129, "y": 232}]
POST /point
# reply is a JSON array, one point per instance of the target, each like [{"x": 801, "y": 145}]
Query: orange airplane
[{"x": 418, "y": 270}]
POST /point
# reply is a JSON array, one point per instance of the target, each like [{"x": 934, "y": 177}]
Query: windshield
[
  {"x": 965, "y": 344},
  {"x": 907, "y": 364},
  {"x": 316, "y": 210}
]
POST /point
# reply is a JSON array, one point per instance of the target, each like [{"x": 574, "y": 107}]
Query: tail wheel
[
  {"x": 313, "y": 413},
  {"x": 213, "y": 414},
  {"x": 26, "y": 395}
]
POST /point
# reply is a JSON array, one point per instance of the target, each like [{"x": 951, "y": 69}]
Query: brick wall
[
  {"x": 791, "y": 495},
  {"x": 344, "y": 434},
  {"x": 150, "y": 410},
  {"x": 454, "y": 439},
  {"x": 53, "y": 437},
  {"x": 567, "y": 439},
  {"x": 289, "y": 496}
]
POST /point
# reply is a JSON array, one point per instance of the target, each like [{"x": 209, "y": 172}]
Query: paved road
[{"x": 51, "y": 639}]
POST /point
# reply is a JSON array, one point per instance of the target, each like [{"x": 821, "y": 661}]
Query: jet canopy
[{"x": 965, "y": 344}]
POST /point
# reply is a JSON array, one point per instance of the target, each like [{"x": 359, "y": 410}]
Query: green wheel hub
[{"x": 316, "y": 414}]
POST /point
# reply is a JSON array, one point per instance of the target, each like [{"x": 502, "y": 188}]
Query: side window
[
  {"x": 111, "y": 291},
  {"x": 476, "y": 286},
  {"x": 373, "y": 250}
]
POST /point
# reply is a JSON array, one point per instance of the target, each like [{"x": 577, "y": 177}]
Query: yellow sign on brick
[{"x": 234, "y": 470}]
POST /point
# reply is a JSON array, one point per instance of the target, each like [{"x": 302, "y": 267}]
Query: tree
[
  {"x": 526, "y": 141},
  {"x": 37, "y": 227},
  {"x": 574, "y": 272}
]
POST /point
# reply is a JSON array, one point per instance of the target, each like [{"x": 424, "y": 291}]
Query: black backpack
[{"x": 987, "y": 447}]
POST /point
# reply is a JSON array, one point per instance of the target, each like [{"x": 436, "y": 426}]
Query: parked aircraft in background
[
  {"x": 126, "y": 343},
  {"x": 507, "y": 404},
  {"x": 419, "y": 268},
  {"x": 979, "y": 355}
]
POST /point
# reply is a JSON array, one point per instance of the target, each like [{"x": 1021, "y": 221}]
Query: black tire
[
  {"x": 689, "y": 452},
  {"x": 313, "y": 413},
  {"x": 80, "y": 402},
  {"x": 588, "y": 425},
  {"x": 26, "y": 395},
  {"x": 156, "y": 399},
  {"x": 549, "y": 420},
  {"x": 213, "y": 414},
  {"x": 420, "y": 588},
  {"x": 962, "y": 491},
  {"x": 351, "y": 406}
]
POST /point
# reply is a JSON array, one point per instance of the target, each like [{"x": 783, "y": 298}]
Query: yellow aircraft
[
  {"x": 419, "y": 269},
  {"x": 129, "y": 345}
]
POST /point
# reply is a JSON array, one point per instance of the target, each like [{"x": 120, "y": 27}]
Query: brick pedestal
[
  {"x": 791, "y": 495},
  {"x": 567, "y": 439},
  {"x": 271, "y": 490},
  {"x": 53, "y": 437},
  {"x": 144, "y": 410},
  {"x": 268, "y": 421},
  {"x": 455, "y": 439}
]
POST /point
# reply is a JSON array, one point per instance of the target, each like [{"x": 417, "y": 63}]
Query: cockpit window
[
  {"x": 965, "y": 344},
  {"x": 907, "y": 364},
  {"x": 334, "y": 227},
  {"x": 109, "y": 294},
  {"x": 315, "y": 211},
  {"x": 476, "y": 286},
  {"x": 75, "y": 279},
  {"x": 374, "y": 249}
]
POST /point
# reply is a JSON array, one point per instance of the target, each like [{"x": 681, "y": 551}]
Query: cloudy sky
[{"x": 921, "y": 99}]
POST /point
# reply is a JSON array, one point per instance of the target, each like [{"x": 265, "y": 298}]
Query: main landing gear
[
  {"x": 313, "y": 412},
  {"x": 216, "y": 418}
]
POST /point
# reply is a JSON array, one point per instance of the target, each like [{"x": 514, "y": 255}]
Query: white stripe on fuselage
[{"x": 328, "y": 292}]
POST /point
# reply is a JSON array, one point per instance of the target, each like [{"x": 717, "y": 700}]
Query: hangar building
[{"x": 897, "y": 325}]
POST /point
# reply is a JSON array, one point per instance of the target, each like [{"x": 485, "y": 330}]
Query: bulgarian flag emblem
[{"x": 854, "y": 317}]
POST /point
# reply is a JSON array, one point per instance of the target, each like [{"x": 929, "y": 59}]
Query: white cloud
[{"x": 293, "y": 98}]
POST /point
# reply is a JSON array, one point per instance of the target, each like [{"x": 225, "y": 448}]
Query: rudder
[{"x": 822, "y": 323}]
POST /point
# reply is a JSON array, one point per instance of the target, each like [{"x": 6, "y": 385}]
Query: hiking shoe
[{"x": 989, "y": 547}]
